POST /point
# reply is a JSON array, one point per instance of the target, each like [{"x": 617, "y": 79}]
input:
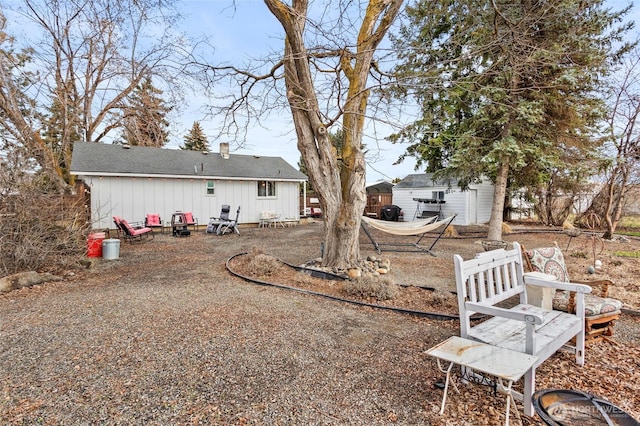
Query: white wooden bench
[{"x": 493, "y": 277}]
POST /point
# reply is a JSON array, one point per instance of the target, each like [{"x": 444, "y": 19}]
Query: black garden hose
[{"x": 433, "y": 315}]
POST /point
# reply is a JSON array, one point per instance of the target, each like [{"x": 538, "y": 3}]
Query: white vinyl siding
[
  {"x": 133, "y": 198},
  {"x": 456, "y": 202}
]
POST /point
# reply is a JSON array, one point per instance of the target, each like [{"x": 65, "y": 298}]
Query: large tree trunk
[
  {"x": 338, "y": 178},
  {"x": 499, "y": 191}
]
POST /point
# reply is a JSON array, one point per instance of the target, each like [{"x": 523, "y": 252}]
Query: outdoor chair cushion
[
  {"x": 153, "y": 219},
  {"x": 132, "y": 230},
  {"x": 190, "y": 219},
  {"x": 550, "y": 260},
  {"x": 593, "y": 305}
]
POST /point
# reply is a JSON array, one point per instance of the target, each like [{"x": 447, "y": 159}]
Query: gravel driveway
[{"x": 164, "y": 335}]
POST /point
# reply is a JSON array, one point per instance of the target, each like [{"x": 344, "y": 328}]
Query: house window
[
  {"x": 266, "y": 188},
  {"x": 437, "y": 195},
  {"x": 211, "y": 187}
]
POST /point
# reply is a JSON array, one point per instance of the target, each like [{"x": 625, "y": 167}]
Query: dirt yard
[{"x": 166, "y": 335}]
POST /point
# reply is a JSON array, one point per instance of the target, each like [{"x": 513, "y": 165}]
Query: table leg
[
  {"x": 446, "y": 383},
  {"x": 507, "y": 390}
]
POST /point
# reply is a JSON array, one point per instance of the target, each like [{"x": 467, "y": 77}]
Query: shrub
[
  {"x": 379, "y": 288},
  {"x": 40, "y": 231},
  {"x": 263, "y": 265}
]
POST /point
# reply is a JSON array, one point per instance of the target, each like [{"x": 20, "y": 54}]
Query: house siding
[
  {"x": 133, "y": 197},
  {"x": 471, "y": 206}
]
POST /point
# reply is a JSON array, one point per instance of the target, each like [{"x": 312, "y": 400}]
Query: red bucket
[{"x": 94, "y": 244}]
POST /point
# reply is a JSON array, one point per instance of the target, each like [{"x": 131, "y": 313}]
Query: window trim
[
  {"x": 206, "y": 188},
  {"x": 269, "y": 184}
]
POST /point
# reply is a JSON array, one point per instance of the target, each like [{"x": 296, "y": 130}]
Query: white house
[
  {"x": 418, "y": 195},
  {"x": 131, "y": 181}
]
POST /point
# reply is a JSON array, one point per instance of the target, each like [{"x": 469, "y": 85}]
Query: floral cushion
[
  {"x": 551, "y": 261},
  {"x": 593, "y": 305}
]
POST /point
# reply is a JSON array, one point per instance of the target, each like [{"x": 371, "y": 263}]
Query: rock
[
  {"x": 25, "y": 279},
  {"x": 354, "y": 273},
  {"x": 88, "y": 263},
  {"x": 5, "y": 285},
  {"x": 381, "y": 271},
  {"x": 591, "y": 269}
]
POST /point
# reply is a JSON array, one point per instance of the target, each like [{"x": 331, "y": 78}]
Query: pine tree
[
  {"x": 507, "y": 88},
  {"x": 145, "y": 122},
  {"x": 196, "y": 140}
]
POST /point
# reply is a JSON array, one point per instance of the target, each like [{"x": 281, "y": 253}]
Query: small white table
[{"x": 502, "y": 363}]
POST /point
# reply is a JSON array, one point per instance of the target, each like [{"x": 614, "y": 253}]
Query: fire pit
[{"x": 557, "y": 407}]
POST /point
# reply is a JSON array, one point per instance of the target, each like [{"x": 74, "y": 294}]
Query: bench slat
[{"x": 510, "y": 334}]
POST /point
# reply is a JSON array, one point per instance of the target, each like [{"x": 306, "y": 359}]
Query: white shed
[
  {"x": 132, "y": 181},
  {"x": 419, "y": 195}
]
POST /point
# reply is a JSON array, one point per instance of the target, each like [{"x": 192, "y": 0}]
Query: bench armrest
[
  {"x": 576, "y": 292},
  {"x": 579, "y": 288},
  {"x": 528, "y": 317}
]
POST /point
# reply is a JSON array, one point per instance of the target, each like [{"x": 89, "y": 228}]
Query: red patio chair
[
  {"x": 153, "y": 220},
  {"x": 131, "y": 233},
  {"x": 191, "y": 221}
]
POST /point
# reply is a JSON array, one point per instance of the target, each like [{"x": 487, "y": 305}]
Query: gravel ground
[{"x": 165, "y": 335}]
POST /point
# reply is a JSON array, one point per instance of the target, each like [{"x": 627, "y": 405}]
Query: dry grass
[{"x": 165, "y": 335}]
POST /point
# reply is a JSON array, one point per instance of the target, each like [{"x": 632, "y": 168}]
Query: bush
[
  {"x": 263, "y": 265},
  {"x": 40, "y": 232},
  {"x": 379, "y": 288},
  {"x": 41, "y": 229}
]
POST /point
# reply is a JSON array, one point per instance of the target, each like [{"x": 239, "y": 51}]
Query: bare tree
[
  {"x": 623, "y": 145},
  {"x": 326, "y": 82},
  {"x": 93, "y": 54},
  {"x": 19, "y": 120}
]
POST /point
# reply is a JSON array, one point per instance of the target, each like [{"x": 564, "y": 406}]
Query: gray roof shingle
[
  {"x": 422, "y": 180},
  {"x": 98, "y": 158}
]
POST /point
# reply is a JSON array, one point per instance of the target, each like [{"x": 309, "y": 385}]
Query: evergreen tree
[
  {"x": 145, "y": 122},
  {"x": 196, "y": 140},
  {"x": 507, "y": 88}
]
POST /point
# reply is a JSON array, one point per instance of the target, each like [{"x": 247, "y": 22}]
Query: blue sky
[
  {"x": 245, "y": 30},
  {"x": 248, "y": 31}
]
